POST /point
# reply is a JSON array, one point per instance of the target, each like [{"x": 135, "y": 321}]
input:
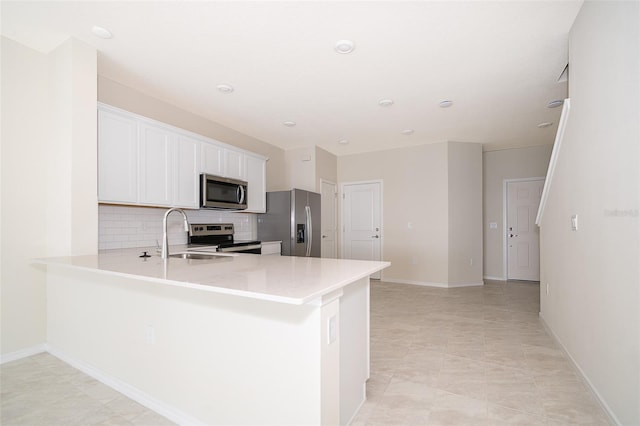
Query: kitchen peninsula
[{"x": 239, "y": 339}]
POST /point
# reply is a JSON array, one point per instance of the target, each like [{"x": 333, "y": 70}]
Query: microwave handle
[{"x": 240, "y": 194}]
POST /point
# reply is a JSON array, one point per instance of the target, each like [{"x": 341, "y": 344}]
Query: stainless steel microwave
[{"x": 222, "y": 193}]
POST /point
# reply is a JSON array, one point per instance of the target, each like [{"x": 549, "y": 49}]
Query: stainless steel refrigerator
[{"x": 292, "y": 217}]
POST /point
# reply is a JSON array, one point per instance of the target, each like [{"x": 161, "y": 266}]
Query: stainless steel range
[{"x": 220, "y": 235}]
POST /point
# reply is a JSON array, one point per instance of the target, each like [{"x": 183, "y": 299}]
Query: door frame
[
  {"x": 335, "y": 215},
  {"x": 380, "y": 182},
  {"x": 505, "y": 225}
]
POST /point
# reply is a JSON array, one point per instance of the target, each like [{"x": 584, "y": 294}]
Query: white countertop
[{"x": 285, "y": 279}]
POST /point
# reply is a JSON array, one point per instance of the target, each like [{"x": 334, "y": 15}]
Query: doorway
[
  {"x": 522, "y": 235},
  {"x": 362, "y": 221}
]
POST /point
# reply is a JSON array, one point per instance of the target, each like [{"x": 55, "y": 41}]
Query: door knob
[
  {"x": 375, "y": 236},
  {"x": 324, "y": 236}
]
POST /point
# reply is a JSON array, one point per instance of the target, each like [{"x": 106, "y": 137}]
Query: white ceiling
[{"x": 499, "y": 63}]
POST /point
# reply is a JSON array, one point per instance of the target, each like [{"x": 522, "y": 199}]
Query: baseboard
[
  {"x": 355, "y": 414},
  {"x": 171, "y": 413},
  {"x": 23, "y": 353},
  {"x": 580, "y": 373},
  {"x": 432, "y": 284},
  {"x": 486, "y": 277}
]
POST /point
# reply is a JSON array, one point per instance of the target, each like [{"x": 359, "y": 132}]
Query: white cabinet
[
  {"x": 271, "y": 247},
  {"x": 186, "y": 184},
  {"x": 234, "y": 166},
  {"x": 212, "y": 158},
  {"x": 117, "y": 158},
  {"x": 142, "y": 162},
  {"x": 220, "y": 161},
  {"x": 155, "y": 166},
  {"x": 256, "y": 184},
  {"x": 145, "y": 162}
]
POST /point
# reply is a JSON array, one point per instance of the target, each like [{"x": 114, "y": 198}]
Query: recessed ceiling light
[
  {"x": 344, "y": 46},
  {"x": 101, "y": 32},
  {"x": 545, "y": 124},
  {"x": 343, "y": 141},
  {"x": 289, "y": 123},
  {"x": 555, "y": 104},
  {"x": 385, "y": 102},
  {"x": 225, "y": 88},
  {"x": 445, "y": 104},
  {"x": 407, "y": 132}
]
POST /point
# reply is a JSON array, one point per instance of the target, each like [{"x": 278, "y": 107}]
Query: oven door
[{"x": 222, "y": 193}]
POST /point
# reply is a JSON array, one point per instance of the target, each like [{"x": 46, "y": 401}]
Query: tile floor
[
  {"x": 43, "y": 391},
  {"x": 467, "y": 356}
]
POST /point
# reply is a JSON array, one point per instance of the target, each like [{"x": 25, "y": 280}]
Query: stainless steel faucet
[{"x": 165, "y": 237}]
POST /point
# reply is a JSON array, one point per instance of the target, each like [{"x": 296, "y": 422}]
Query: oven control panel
[{"x": 205, "y": 229}]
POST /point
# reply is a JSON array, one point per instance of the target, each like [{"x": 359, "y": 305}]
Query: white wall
[
  {"x": 593, "y": 306},
  {"x": 300, "y": 168},
  {"x": 497, "y": 166},
  {"x": 48, "y": 176},
  {"x": 24, "y": 154},
  {"x": 465, "y": 213},
  {"x": 307, "y": 165},
  {"x": 72, "y": 202},
  {"x": 416, "y": 209}
]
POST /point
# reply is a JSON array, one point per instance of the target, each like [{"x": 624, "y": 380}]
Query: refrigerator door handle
[{"x": 307, "y": 210}]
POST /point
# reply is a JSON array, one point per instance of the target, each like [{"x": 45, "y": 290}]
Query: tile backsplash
[{"x": 125, "y": 227}]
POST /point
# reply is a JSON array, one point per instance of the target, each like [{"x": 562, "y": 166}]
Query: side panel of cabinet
[
  {"x": 186, "y": 163},
  {"x": 155, "y": 166},
  {"x": 256, "y": 183},
  {"x": 117, "y": 158}
]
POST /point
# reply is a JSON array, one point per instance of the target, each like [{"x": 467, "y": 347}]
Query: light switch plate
[
  {"x": 493, "y": 225},
  {"x": 574, "y": 222}
]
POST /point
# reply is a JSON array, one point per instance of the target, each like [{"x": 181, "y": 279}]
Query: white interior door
[
  {"x": 328, "y": 219},
  {"x": 361, "y": 218},
  {"x": 523, "y": 236}
]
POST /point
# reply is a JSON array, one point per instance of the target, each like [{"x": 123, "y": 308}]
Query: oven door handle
[{"x": 239, "y": 248}]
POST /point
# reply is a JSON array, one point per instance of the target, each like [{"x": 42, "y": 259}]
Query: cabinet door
[
  {"x": 185, "y": 163},
  {"x": 155, "y": 166},
  {"x": 117, "y": 158},
  {"x": 256, "y": 184},
  {"x": 234, "y": 166},
  {"x": 212, "y": 159}
]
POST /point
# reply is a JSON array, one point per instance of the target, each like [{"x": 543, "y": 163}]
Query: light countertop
[{"x": 285, "y": 279}]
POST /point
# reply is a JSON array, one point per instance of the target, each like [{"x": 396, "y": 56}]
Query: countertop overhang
[{"x": 284, "y": 279}]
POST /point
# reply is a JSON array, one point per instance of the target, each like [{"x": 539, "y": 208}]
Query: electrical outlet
[
  {"x": 150, "y": 335},
  {"x": 332, "y": 331}
]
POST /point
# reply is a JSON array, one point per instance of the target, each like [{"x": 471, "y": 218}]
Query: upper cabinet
[
  {"x": 256, "y": 184},
  {"x": 145, "y": 162},
  {"x": 117, "y": 158}
]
